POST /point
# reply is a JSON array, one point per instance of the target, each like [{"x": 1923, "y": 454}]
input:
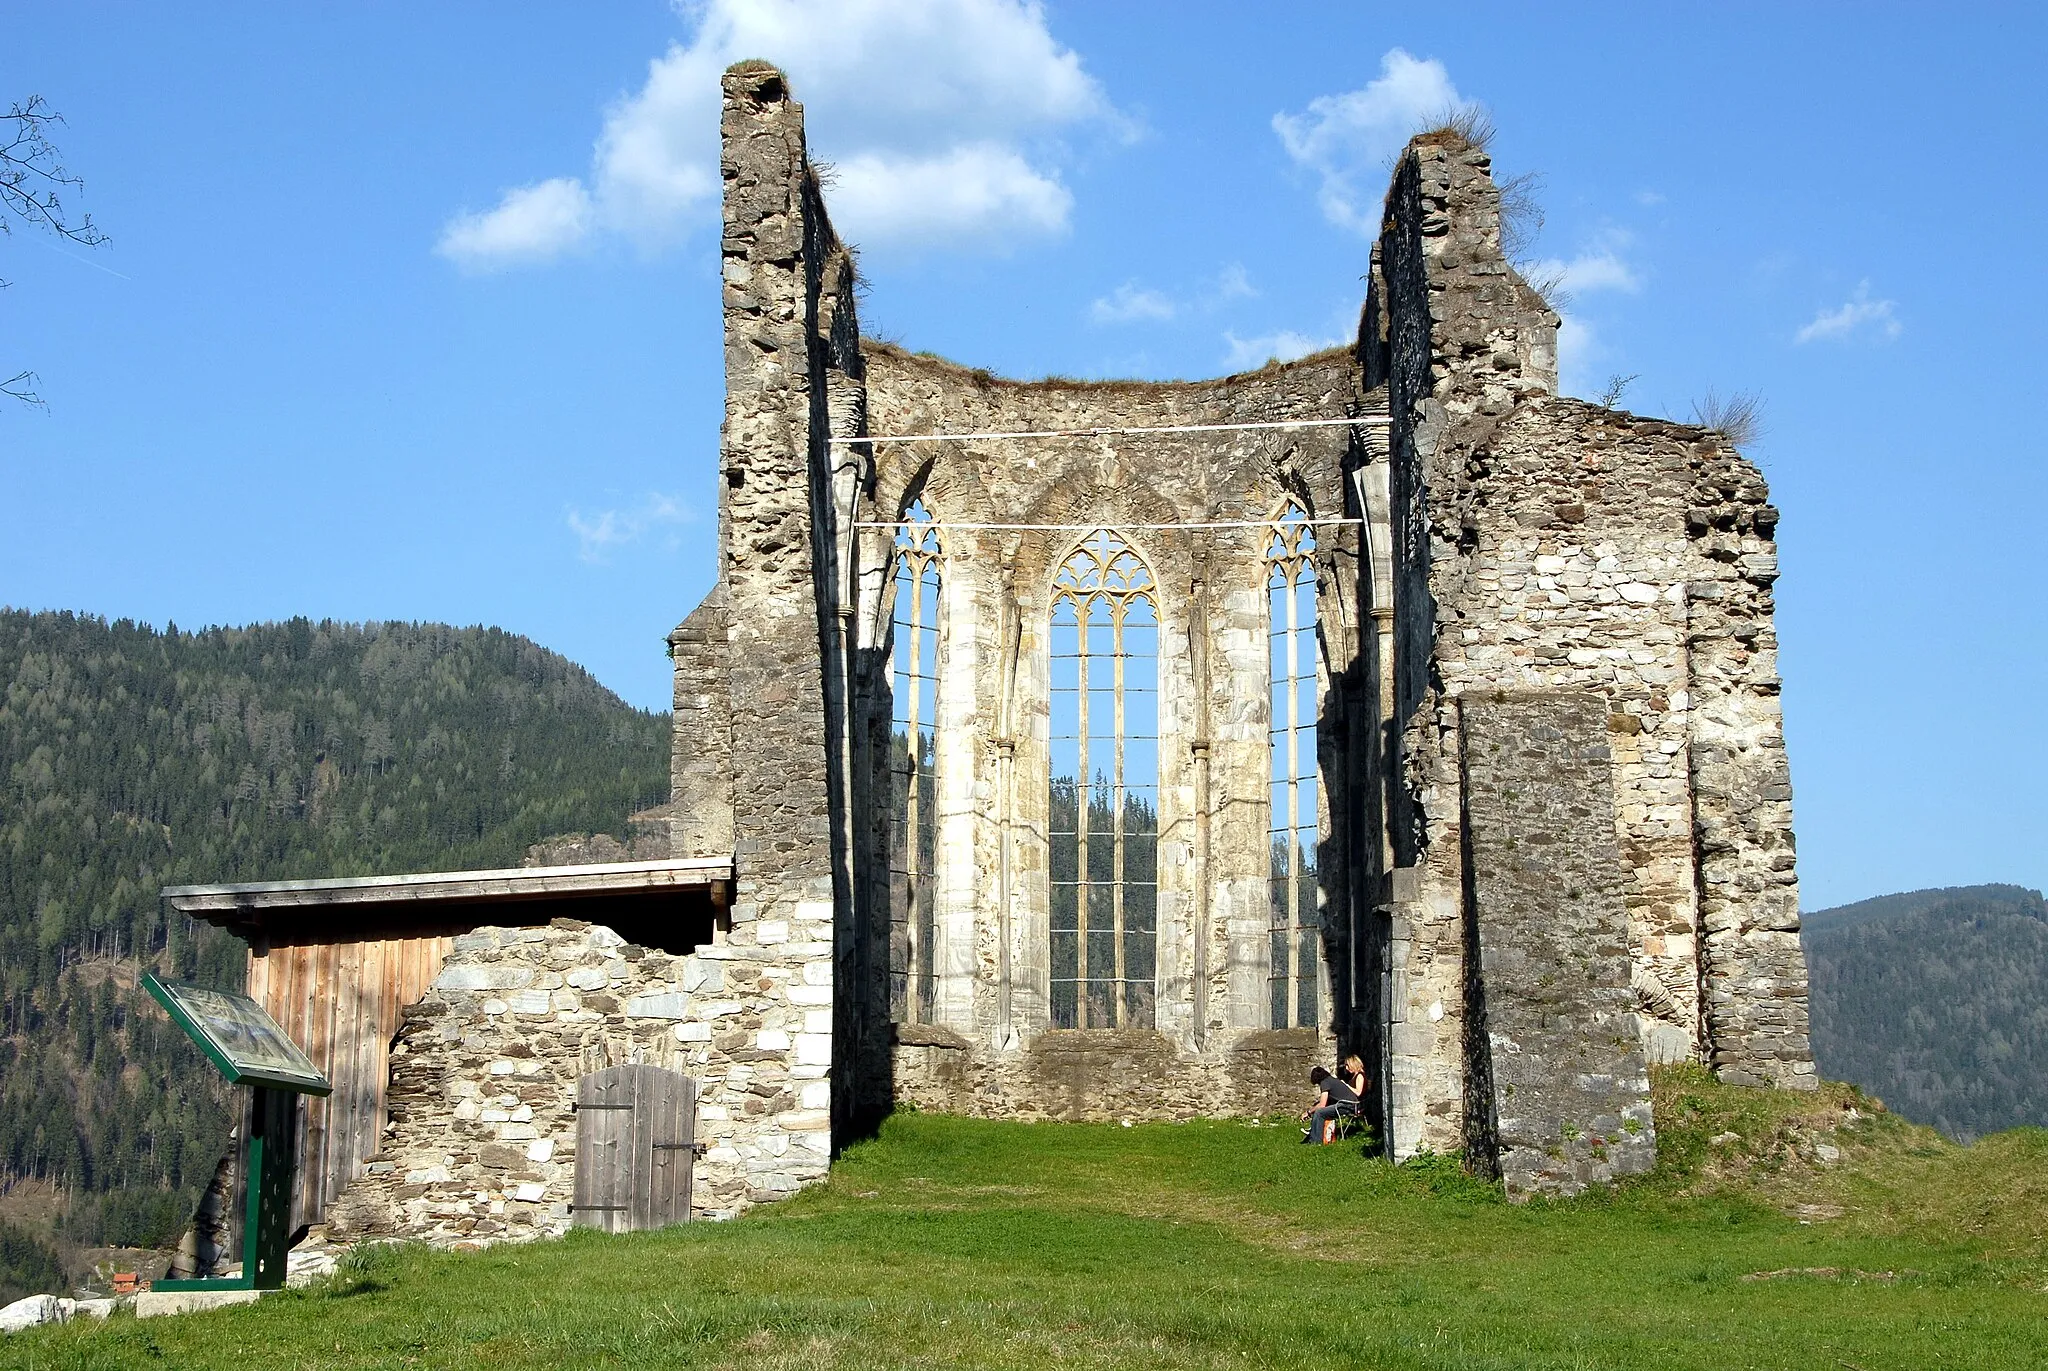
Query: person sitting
[
  {"x": 1353, "y": 1072},
  {"x": 1334, "y": 1100}
]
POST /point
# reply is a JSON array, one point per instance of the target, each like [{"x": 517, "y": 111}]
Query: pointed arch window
[
  {"x": 1294, "y": 825},
  {"x": 1104, "y": 787},
  {"x": 913, "y": 769}
]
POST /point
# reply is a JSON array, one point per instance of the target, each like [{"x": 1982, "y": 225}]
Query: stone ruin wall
[
  {"x": 1516, "y": 539},
  {"x": 758, "y": 764},
  {"x": 481, "y": 1143},
  {"x": 1547, "y": 543},
  {"x": 992, "y": 736}
]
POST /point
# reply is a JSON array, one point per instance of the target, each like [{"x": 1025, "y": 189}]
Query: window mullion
[
  {"x": 1116, "y": 799},
  {"x": 1293, "y": 807},
  {"x": 1081, "y": 789}
]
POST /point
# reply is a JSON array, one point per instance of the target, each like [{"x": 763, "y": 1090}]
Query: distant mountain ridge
[
  {"x": 1937, "y": 1002},
  {"x": 132, "y": 758},
  {"x": 1883, "y": 907}
]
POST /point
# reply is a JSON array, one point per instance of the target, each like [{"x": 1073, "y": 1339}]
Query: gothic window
[
  {"x": 1104, "y": 794},
  {"x": 1293, "y": 828},
  {"x": 913, "y": 842}
]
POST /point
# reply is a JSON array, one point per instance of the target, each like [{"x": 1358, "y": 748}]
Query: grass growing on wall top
[{"x": 948, "y": 1242}]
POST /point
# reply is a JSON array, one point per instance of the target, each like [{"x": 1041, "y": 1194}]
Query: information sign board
[{"x": 238, "y": 1037}]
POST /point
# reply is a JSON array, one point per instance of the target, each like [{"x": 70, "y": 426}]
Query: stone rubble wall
[
  {"x": 1109, "y": 1075},
  {"x": 481, "y": 1143},
  {"x": 700, "y": 764},
  {"x": 1755, "y": 969},
  {"x": 1466, "y": 340},
  {"x": 780, "y": 659},
  {"x": 1561, "y": 1096},
  {"x": 1541, "y": 542},
  {"x": 1633, "y": 557}
]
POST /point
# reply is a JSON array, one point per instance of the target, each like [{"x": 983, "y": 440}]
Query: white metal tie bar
[
  {"x": 1057, "y": 528},
  {"x": 1366, "y": 420}
]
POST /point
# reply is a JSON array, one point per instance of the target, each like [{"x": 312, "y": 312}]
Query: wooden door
[{"x": 636, "y": 1148}]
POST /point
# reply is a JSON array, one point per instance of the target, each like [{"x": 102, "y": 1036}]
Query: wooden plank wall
[{"x": 341, "y": 1002}]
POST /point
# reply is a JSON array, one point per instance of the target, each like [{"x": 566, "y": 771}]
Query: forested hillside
[
  {"x": 1937, "y": 1002},
  {"x": 131, "y": 759}
]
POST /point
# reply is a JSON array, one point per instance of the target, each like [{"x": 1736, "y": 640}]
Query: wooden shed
[{"x": 336, "y": 962}]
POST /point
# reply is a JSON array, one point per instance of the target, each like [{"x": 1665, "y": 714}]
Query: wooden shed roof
[{"x": 270, "y": 908}]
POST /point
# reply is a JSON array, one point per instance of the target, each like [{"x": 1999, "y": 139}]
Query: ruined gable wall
[{"x": 1212, "y": 598}]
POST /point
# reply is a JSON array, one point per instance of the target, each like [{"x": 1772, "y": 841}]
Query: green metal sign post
[{"x": 249, "y": 1048}]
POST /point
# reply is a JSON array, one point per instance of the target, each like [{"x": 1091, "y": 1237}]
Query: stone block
[
  {"x": 661, "y": 1005},
  {"x": 32, "y": 1311},
  {"x": 152, "y": 1304},
  {"x": 490, "y": 976}
]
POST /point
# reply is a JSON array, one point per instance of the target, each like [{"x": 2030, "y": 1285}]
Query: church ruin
[
  {"x": 1119, "y": 750},
  {"x": 1173, "y": 737}
]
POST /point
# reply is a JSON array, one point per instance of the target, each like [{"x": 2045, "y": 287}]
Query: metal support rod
[{"x": 1360, "y": 421}]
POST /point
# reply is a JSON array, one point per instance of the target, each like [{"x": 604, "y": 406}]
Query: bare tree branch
[
  {"x": 31, "y": 176},
  {"x": 33, "y": 180},
  {"x": 1617, "y": 386},
  {"x": 21, "y": 386}
]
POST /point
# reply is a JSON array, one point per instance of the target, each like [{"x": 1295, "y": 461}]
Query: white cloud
[
  {"x": 940, "y": 116},
  {"x": 1589, "y": 272},
  {"x": 1131, "y": 303},
  {"x": 1602, "y": 266},
  {"x": 1128, "y": 304},
  {"x": 1233, "y": 284},
  {"x": 603, "y": 533},
  {"x": 530, "y": 224},
  {"x": 1282, "y": 346},
  {"x": 981, "y": 193},
  {"x": 1578, "y": 349},
  {"x": 1860, "y": 315},
  {"x": 1344, "y": 137}
]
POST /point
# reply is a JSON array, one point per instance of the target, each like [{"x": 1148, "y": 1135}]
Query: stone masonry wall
[
  {"x": 1547, "y": 543},
  {"x": 1466, "y": 341},
  {"x": 1514, "y": 540},
  {"x": 1602, "y": 548},
  {"x": 1561, "y": 1097},
  {"x": 700, "y": 766},
  {"x": 1211, "y": 595},
  {"x": 481, "y": 1140},
  {"x": 776, "y": 664},
  {"x": 1106, "y": 1075}
]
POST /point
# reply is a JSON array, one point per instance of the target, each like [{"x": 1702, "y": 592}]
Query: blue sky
[{"x": 410, "y": 312}]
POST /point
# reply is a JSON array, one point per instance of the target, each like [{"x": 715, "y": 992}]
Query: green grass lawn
[{"x": 948, "y": 1242}]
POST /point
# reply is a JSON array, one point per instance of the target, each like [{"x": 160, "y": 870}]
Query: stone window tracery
[
  {"x": 913, "y": 759},
  {"x": 1104, "y": 787},
  {"x": 1294, "y": 826}
]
